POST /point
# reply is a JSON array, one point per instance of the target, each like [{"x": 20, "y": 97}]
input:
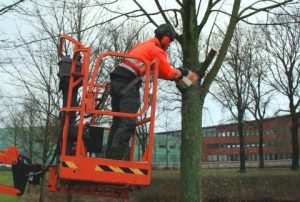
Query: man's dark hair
[{"x": 163, "y": 30}]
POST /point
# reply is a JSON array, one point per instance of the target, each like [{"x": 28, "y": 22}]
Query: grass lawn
[
  {"x": 277, "y": 184},
  {"x": 280, "y": 184}
]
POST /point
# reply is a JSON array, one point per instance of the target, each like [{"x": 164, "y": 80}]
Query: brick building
[{"x": 220, "y": 143}]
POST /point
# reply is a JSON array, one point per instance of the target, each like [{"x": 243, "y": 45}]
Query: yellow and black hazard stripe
[
  {"x": 117, "y": 169},
  {"x": 69, "y": 164}
]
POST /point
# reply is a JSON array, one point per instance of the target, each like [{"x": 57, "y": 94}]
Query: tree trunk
[
  {"x": 193, "y": 100},
  {"x": 261, "y": 142},
  {"x": 191, "y": 140},
  {"x": 41, "y": 198},
  {"x": 295, "y": 142},
  {"x": 167, "y": 152},
  {"x": 242, "y": 146},
  {"x": 191, "y": 148},
  {"x": 44, "y": 159}
]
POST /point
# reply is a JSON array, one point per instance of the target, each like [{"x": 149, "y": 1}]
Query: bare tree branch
[
  {"x": 179, "y": 3},
  {"x": 213, "y": 72},
  {"x": 9, "y": 7},
  {"x": 258, "y": 10},
  {"x": 208, "y": 11},
  {"x": 145, "y": 13},
  {"x": 162, "y": 12}
]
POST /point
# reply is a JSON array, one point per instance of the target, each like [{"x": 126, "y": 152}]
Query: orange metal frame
[
  {"x": 9, "y": 156},
  {"x": 95, "y": 172}
]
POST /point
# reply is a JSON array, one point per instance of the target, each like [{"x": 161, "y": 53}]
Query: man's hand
[{"x": 183, "y": 71}]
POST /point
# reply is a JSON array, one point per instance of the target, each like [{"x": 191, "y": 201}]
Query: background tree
[
  {"x": 283, "y": 46},
  {"x": 34, "y": 71},
  {"x": 14, "y": 123},
  {"x": 260, "y": 93},
  {"x": 32, "y": 142},
  {"x": 232, "y": 83},
  {"x": 37, "y": 83}
]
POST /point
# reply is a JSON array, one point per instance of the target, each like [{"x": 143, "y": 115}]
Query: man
[{"x": 125, "y": 98}]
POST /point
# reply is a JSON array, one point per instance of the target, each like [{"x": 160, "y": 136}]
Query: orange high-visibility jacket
[{"x": 150, "y": 50}]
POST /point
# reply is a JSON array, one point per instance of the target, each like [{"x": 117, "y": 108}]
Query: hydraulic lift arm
[
  {"x": 9, "y": 156},
  {"x": 21, "y": 167}
]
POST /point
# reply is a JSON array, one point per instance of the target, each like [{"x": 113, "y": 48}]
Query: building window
[
  {"x": 173, "y": 146},
  {"x": 213, "y": 132},
  {"x": 222, "y": 157},
  {"x": 212, "y": 146},
  {"x": 269, "y": 157},
  {"x": 252, "y": 157},
  {"x": 234, "y": 157},
  {"x": 204, "y": 132},
  {"x": 212, "y": 157},
  {"x": 162, "y": 145},
  {"x": 210, "y": 132}
]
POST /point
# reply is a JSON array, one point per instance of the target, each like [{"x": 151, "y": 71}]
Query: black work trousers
[{"x": 122, "y": 128}]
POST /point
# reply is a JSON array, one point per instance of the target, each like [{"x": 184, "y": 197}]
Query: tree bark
[
  {"x": 242, "y": 146},
  {"x": 261, "y": 142},
  {"x": 41, "y": 198},
  {"x": 295, "y": 141},
  {"x": 191, "y": 147},
  {"x": 191, "y": 141}
]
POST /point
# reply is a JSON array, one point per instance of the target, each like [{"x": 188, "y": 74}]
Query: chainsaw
[{"x": 188, "y": 80}]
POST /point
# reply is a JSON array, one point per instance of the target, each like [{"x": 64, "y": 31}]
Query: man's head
[{"x": 166, "y": 34}]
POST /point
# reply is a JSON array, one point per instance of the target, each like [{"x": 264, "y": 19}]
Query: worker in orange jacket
[{"x": 127, "y": 72}]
